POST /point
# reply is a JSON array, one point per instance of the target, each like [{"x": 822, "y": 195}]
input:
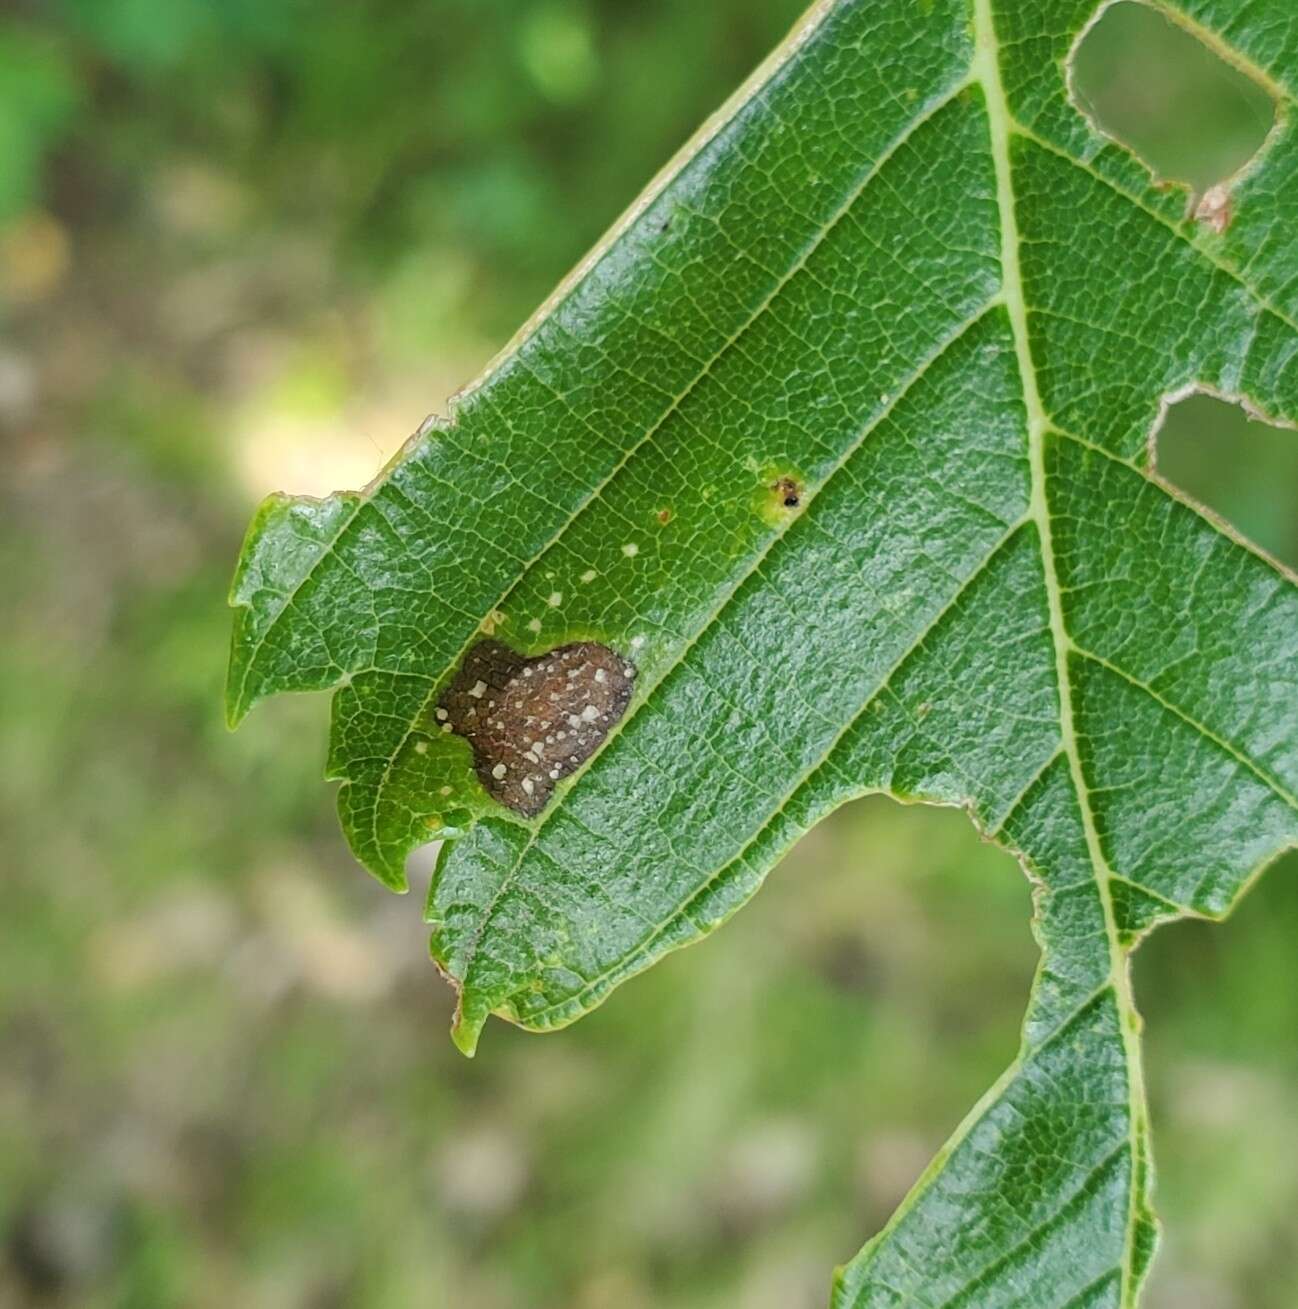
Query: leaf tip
[
  {"x": 235, "y": 709},
  {"x": 465, "y": 1036},
  {"x": 393, "y": 876},
  {"x": 469, "y": 1020},
  {"x": 384, "y": 861},
  {"x": 285, "y": 540}
]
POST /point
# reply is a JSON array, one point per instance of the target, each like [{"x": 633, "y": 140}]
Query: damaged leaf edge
[
  {"x": 1213, "y": 208},
  {"x": 244, "y": 653}
]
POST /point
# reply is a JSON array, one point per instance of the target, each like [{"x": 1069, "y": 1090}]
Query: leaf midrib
[{"x": 1003, "y": 125}]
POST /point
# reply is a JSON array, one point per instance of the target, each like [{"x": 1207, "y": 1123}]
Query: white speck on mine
[
  {"x": 499, "y": 771},
  {"x": 442, "y": 715},
  {"x": 478, "y": 689}
]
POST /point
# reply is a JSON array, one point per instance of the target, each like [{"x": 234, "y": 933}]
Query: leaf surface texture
[{"x": 842, "y": 439}]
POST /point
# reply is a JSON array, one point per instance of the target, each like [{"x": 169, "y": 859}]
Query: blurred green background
[{"x": 247, "y": 245}]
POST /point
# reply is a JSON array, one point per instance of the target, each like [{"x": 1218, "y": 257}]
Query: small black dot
[{"x": 789, "y": 492}]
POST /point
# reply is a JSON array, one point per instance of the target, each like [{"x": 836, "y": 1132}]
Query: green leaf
[{"x": 842, "y": 439}]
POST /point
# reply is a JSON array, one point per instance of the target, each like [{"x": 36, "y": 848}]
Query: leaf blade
[{"x": 844, "y": 438}]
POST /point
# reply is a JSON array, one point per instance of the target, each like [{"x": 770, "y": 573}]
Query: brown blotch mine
[
  {"x": 788, "y": 492},
  {"x": 531, "y": 722}
]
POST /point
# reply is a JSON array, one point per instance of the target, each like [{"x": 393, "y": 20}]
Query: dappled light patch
[
  {"x": 1154, "y": 86},
  {"x": 1242, "y": 469}
]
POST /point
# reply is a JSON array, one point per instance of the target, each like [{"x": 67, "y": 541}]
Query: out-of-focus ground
[{"x": 247, "y": 246}]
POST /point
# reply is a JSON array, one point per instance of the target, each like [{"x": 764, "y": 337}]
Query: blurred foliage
[{"x": 248, "y": 244}]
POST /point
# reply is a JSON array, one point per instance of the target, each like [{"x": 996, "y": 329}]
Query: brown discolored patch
[
  {"x": 531, "y": 722},
  {"x": 788, "y": 492},
  {"x": 1214, "y": 209}
]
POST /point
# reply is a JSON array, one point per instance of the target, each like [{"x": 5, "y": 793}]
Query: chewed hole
[
  {"x": 1159, "y": 90},
  {"x": 1244, "y": 470}
]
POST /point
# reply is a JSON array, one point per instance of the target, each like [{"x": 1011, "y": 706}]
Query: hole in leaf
[
  {"x": 1244, "y": 470},
  {"x": 1159, "y": 90},
  {"x": 1220, "y": 1009},
  {"x": 868, "y": 994}
]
